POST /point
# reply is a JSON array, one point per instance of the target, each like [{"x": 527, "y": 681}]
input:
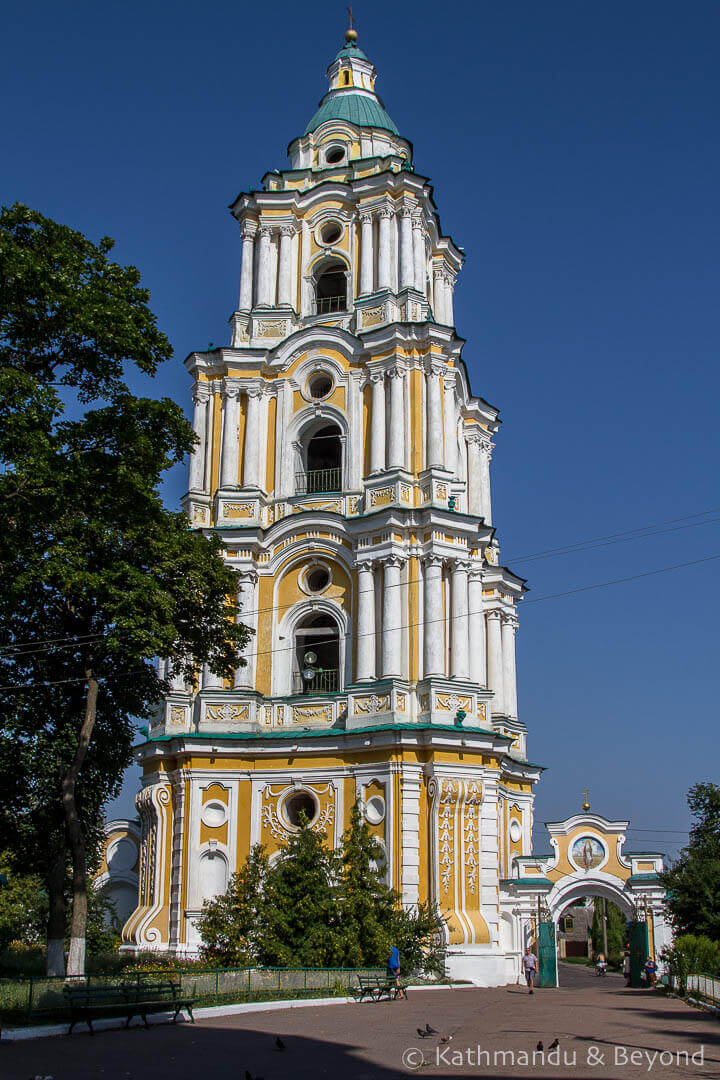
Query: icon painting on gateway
[{"x": 588, "y": 852}]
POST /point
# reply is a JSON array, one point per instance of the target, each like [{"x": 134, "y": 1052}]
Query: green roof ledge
[{"x": 362, "y": 108}]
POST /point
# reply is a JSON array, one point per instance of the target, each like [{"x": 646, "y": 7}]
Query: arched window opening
[
  {"x": 323, "y": 462},
  {"x": 331, "y": 289},
  {"x": 316, "y": 667}
]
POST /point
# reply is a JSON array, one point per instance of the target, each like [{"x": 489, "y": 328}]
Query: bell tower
[{"x": 344, "y": 462}]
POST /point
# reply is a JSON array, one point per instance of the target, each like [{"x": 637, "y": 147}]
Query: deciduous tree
[
  {"x": 693, "y": 880},
  {"x": 98, "y": 577}
]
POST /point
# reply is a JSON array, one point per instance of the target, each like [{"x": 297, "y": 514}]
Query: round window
[
  {"x": 375, "y": 809},
  {"x": 320, "y": 385},
  {"x": 213, "y": 814},
  {"x": 334, "y": 155},
  {"x": 515, "y": 831},
  {"x": 331, "y": 232},
  {"x": 300, "y": 808},
  {"x": 317, "y": 579}
]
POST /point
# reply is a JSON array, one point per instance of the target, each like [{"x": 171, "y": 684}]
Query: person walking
[
  {"x": 393, "y": 965},
  {"x": 530, "y": 966},
  {"x": 626, "y": 966},
  {"x": 650, "y": 971}
]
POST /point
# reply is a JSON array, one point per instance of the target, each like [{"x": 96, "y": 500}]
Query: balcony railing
[
  {"x": 325, "y": 304},
  {"x": 314, "y": 480},
  {"x": 326, "y": 681}
]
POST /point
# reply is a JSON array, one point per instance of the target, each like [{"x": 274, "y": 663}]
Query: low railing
[
  {"x": 703, "y": 986},
  {"x": 326, "y": 681},
  {"x": 325, "y": 304},
  {"x": 41, "y": 998},
  {"x": 316, "y": 480}
]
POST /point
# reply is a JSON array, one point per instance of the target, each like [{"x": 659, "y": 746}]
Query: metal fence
[
  {"x": 41, "y": 998},
  {"x": 326, "y": 681},
  {"x": 704, "y": 986},
  {"x": 314, "y": 481}
]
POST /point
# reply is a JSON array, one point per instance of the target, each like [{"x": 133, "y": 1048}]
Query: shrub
[{"x": 692, "y": 955}]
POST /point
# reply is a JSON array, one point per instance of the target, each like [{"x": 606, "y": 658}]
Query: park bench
[
  {"x": 378, "y": 986},
  {"x": 88, "y": 1003}
]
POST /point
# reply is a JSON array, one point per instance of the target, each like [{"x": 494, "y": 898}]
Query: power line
[
  {"x": 617, "y": 538},
  {"x": 75, "y": 639},
  {"x": 550, "y": 552},
  {"x": 441, "y": 618},
  {"x": 622, "y": 580}
]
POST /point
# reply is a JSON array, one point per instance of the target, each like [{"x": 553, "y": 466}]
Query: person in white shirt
[{"x": 530, "y": 965}]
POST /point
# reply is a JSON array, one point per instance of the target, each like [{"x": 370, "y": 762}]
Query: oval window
[
  {"x": 300, "y": 807},
  {"x": 320, "y": 385},
  {"x": 331, "y": 232},
  {"x": 317, "y": 579},
  {"x": 375, "y": 809},
  {"x": 334, "y": 155},
  {"x": 214, "y": 814}
]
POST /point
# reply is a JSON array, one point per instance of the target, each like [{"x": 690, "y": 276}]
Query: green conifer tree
[
  {"x": 230, "y": 924},
  {"x": 300, "y": 924},
  {"x": 367, "y": 905}
]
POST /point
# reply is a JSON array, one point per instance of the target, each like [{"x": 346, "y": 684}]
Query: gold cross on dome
[
  {"x": 586, "y": 803},
  {"x": 351, "y": 17}
]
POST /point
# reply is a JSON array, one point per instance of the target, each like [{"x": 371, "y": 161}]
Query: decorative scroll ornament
[
  {"x": 374, "y": 704},
  {"x": 227, "y": 713}
]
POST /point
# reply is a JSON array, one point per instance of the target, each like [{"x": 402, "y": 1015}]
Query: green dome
[
  {"x": 357, "y": 109},
  {"x": 351, "y": 50}
]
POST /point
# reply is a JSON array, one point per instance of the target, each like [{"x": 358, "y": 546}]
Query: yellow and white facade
[{"x": 345, "y": 463}]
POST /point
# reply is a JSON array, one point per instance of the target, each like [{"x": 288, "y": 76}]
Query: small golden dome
[{"x": 351, "y": 36}]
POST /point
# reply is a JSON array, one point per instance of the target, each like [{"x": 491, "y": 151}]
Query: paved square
[{"x": 597, "y": 1021}]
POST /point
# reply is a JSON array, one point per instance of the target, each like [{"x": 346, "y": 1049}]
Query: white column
[
  {"x": 251, "y": 476},
  {"x": 495, "y": 664},
  {"x": 439, "y": 297},
  {"x": 460, "y": 668},
  {"x": 366, "y": 623},
  {"x": 410, "y": 788},
  {"x": 509, "y": 625},
  {"x": 177, "y": 680},
  {"x": 419, "y": 255},
  {"x": 450, "y": 410},
  {"x": 392, "y": 619},
  {"x": 485, "y": 498},
  {"x": 433, "y": 379},
  {"x": 246, "y": 266},
  {"x": 209, "y": 680},
  {"x": 449, "y": 288},
  {"x": 407, "y": 268},
  {"x": 396, "y": 449},
  {"x": 476, "y": 617},
  {"x": 433, "y": 631},
  {"x": 377, "y": 422},
  {"x": 474, "y": 481},
  {"x": 247, "y": 613},
  {"x": 285, "y": 271},
  {"x": 367, "y": 254},
  {"x": 384, "y": 249},
  {"x": 264, "y": 289},
  {"x": 230, "y": 447},
  {"x": 201, "y": 397}
]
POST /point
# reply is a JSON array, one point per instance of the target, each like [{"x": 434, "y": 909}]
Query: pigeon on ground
[
  {"x": 279, "y": 1044},
  {"x": 445, "y": 1038},
  {"x": 431, "y": 1030},
  {"x": 554, "y": 1044},
  {"x": 422, "y": 1034},
  {"x": 540, "y": 1046}
]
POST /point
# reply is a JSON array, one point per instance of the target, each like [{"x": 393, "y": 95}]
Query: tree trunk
[
  {"x": 55, "y": 957},
  {"x": 76, "y": 840}
]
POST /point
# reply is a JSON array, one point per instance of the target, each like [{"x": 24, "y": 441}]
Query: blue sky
[{"x": 574, "y": 153}]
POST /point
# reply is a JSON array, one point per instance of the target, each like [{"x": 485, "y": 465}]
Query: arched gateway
[{"x": 588, "y": 859}]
